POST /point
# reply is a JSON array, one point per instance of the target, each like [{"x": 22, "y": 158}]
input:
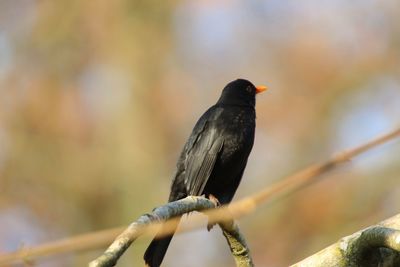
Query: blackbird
[{"x": 215, "y": 155}]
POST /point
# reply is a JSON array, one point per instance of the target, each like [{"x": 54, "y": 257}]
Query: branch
[
  {"x": 77, "y": 243},
  {"x": 148, "y": 223},
  {"x": 237, "y": 209},
  {"x": 377, "y": 245},
  {"x": 237, "y": 244}
]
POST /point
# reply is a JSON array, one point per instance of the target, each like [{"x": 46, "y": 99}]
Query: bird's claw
[{"x": 215, "y": 200}]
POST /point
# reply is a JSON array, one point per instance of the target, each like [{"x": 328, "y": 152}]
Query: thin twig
[{"x": 77, "y": 243}]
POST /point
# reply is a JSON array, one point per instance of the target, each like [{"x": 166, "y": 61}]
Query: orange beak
[{"x": 261, "y": 88}]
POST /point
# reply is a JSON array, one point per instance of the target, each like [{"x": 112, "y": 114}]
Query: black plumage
[{"x": 214, "y": 157}]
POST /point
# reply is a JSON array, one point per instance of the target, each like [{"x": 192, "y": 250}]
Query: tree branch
[
  {"x": 154, "y": 220},
  {"x": 237, "y": 209},
  {"x": 377, "y": 245}
]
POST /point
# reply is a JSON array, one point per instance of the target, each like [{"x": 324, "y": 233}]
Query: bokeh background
[{"x": 98, "y": 97}]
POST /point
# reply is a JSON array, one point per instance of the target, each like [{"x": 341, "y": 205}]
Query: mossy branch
[{"x": 378, "y": 245}]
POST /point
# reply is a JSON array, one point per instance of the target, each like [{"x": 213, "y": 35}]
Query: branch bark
[
  {"x": 147, "y": 222},
  {"x": 377, "y": 245}
]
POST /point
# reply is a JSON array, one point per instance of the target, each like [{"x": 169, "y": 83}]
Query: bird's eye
[{"x": 249, "y": 89}]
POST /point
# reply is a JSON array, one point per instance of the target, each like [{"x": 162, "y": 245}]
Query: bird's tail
[{"x": 158, "y": 247}]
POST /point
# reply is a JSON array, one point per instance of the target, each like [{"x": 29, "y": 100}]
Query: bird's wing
[
  {"x": 198, "y": 157},
  {"x": 201, "y": 158}
]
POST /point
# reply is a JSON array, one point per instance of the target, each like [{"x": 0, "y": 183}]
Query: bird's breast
[{"x": 238, "y": 134}]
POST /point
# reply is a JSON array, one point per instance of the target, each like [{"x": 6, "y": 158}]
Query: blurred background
[{"x": 98, "y": 97}]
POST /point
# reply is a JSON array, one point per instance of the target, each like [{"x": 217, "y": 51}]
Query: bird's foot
[
  {"x": 217, "y": 204},
  {"x": 215, "y": 200}
]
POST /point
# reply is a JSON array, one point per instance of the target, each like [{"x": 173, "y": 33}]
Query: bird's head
[{"x": 240, "y": 92}]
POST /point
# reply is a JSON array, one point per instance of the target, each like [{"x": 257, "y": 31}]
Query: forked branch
[{"x": 149, "y": 223}]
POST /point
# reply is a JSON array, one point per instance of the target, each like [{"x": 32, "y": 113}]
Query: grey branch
[
  {"x": 167, "y": 212},
  {"x": 377, "y": 245}
]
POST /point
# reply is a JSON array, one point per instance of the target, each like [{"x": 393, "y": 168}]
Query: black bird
[{"x": 215, "y": 155}]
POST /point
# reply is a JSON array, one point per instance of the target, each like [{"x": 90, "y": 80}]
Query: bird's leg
[{"x": 215, "y": 200}]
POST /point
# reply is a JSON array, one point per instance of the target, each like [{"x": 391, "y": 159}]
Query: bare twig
[
  {"x": 77, "y": 243},
  {"x": 237, "y": 209}
]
